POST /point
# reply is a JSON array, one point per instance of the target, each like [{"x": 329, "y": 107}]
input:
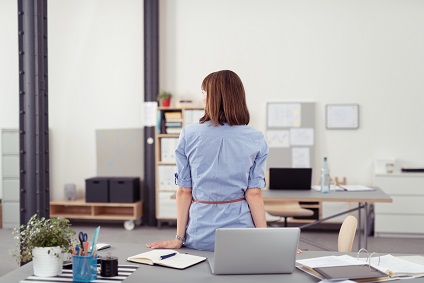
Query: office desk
[
  {"x": 195, "y": 274},
  {"x": 362, "y": 198}
]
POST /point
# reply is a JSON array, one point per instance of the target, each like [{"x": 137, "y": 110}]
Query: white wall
[
  {"x": 95, "y": 79},
  {"x": 334, "y": 51},
  {"x": 365, "y": 52}
]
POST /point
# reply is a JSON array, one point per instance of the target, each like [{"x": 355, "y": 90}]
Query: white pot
[{"x": 47, "y": 264}]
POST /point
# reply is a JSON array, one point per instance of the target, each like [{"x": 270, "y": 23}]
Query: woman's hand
[
  {"x": 299, "y": 251},
  {"x": 171, "y": 244}
]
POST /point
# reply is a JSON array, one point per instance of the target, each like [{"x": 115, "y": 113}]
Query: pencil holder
[{"x": 84, "y": 268}]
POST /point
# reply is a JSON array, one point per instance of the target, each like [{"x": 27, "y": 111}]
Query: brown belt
[{"x": 218, "y": 202}]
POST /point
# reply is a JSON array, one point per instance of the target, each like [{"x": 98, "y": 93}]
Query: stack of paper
[{"x": 346, "y": 188}]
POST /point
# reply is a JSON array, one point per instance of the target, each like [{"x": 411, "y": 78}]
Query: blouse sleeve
[
  {"x": 257, "y": 171},
  {"x": 183, "y": 174}
]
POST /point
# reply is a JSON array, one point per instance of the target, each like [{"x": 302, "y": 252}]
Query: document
[
  {"x": 397, "y": 267},
  {"x": 165, "y": 257}
]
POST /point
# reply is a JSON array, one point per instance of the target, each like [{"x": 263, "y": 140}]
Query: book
[{"x": 170, "y": 258}]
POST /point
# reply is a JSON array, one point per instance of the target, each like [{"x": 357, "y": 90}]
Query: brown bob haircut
[{"x": 225, "y": 99}]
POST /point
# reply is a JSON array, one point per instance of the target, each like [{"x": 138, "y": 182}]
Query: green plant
[
  {"x": 42, "y": 232},
  {"x": 164, "y": 95}
]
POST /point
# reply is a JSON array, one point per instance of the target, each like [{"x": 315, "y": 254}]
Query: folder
[{"x": 351, "y": 272}]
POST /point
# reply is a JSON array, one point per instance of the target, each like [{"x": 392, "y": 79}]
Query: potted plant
[
  {"x": 164, "y": 98},
  {"x": 44, "y": 241}
]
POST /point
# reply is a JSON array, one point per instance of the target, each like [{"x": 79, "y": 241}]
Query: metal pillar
[
  {"x": 33, "y": 109},
  {"x": 151, "y": 88}
]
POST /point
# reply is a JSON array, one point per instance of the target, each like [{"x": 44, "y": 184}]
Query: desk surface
[
  {"x": 198, "y": 273},
  {"x": 376, "y": 195}
]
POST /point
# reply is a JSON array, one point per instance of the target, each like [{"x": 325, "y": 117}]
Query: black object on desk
[
  {"x": 350, "y": 272},
  {"x": 413, "y": 170}
]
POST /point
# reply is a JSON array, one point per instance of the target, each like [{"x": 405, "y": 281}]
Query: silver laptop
[{"x": 255, "y": 250}]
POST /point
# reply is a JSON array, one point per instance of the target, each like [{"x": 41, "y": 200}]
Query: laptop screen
[{"x": 290, "y": 178}]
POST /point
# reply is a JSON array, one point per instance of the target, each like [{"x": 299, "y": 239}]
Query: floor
[{"x": 114, "y": 232}]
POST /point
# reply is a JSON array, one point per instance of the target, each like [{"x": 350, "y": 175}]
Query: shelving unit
[
  {"x": 166, "y": 207},
  {"x": 131, "y": 213},
  {"x": 10, "y": 177}
]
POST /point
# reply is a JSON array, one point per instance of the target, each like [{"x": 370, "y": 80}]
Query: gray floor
[{"x": 114, "y": 232}]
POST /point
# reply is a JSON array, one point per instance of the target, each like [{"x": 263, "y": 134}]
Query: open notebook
[{"x": 171, "y": 258}]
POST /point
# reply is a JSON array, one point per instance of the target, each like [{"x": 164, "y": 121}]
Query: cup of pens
[{"x": 84, "y": 268}]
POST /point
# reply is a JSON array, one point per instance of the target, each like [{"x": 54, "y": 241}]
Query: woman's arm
[
  {"x": 183, "y": 199},
  {"x": 256, "y": 204}
]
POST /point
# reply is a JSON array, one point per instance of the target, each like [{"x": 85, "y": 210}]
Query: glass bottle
[{"x": 325, "y": 177}]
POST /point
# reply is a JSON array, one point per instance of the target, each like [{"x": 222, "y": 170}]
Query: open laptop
[
  {"x": 255, "y": 250},
  {"x": 290, "y": 178}
]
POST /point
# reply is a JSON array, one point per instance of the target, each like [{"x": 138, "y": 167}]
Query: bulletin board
[{"x": 290, "y": 134}]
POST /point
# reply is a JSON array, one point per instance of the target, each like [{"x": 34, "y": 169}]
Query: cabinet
[
  {"x": 10, "y": 177},
  {"x": 404, "y": 216},
  {"x": 171, "y": 120},
  {"x": 79, "y": 209}
]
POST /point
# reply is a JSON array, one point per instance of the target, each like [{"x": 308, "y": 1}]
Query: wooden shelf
[{"x": 79, "y": 209}]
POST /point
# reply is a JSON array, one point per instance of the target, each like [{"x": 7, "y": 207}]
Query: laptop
[
  {"x": 290, "y": 178},
  {"x": 255, "y": 250}
]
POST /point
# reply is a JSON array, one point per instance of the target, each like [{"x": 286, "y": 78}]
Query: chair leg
[{"x": 285, "y": 221}]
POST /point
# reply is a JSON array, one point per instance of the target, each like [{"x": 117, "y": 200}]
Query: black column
[
  {"x": 33, "y": 109},
  {"x": 151, "y": 88}
]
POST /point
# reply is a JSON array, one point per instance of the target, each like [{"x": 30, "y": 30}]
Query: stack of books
[{"x": 173, "y": 122}]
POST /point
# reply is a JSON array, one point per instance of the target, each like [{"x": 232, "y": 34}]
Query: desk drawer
[
  {"x": 393, "y": 185},
  {"x": 399, "y": 224},
  {"x": 402, "y": 205}
]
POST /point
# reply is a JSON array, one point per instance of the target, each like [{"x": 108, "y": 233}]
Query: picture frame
[{"x": 342, "y": 116}]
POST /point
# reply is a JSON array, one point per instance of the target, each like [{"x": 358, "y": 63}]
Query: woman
[{"x": 220, "y": 168}]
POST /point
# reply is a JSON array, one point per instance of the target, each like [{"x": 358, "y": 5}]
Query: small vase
[
  {"x": 47, "y": 264},
  {"x": 166, "y": 102}
]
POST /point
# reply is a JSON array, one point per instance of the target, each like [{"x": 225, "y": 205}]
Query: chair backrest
[{"x": 347, "y": 234}]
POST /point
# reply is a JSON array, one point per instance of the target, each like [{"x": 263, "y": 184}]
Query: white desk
[
  {"x": 195, "y": 274},
  {"x": 362, "y": 198}
]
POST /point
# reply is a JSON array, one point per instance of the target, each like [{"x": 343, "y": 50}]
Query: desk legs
[{"x": 358, "y": 229}]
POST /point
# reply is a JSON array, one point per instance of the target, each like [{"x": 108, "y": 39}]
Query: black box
[
  {"x": 97, "y": 189},
  {"x": 124, "y": 189}
]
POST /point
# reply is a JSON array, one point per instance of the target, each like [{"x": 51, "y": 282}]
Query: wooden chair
[
  {"x": 285, "y": 209},
  {"x": 347, "y": 234}
]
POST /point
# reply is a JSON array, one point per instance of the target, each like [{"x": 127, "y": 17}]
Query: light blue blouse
[{"x": 219, "y": 163}]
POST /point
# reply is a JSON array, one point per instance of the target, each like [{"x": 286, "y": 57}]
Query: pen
[{"x": 167, "y": 256}]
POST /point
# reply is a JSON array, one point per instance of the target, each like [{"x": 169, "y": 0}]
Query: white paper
[
  {"x": 278, "y": 138},
  {"x": 150, "y": 113},
  {"x": 282, "y": 115},
  {"x": 300, "y": 157},
  {"x": 396, "y": 266},
  {"x": 342, "y": 116},
  {"x": 326, "y": 261},
  {"x": 302, "y": 136},
  {"x": 356, "y": 188}
]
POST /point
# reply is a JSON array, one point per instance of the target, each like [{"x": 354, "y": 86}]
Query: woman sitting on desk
[{"x": 220, "y": 168}]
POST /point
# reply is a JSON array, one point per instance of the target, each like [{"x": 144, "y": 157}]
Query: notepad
[{"x": 178, "y": 261}]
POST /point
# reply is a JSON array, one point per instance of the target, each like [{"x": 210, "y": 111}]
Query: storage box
[
  {"x": 125, "y": 189},
  {"x": 97, "y": 189}
]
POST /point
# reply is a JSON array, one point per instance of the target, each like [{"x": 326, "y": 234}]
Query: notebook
[
  {"x": 255, "y": 250},
  {"x": 290, "y": 178},
  {"x": 168, "y": 258}
]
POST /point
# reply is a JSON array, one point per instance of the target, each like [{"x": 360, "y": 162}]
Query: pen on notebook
[{"x": 167, "y": 256}]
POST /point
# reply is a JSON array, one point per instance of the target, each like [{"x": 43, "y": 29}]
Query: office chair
[
  {"x": 347, "y": 234},
  {"x": 285, "y": 209}
]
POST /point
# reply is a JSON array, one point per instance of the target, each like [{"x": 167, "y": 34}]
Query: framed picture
[{"x": 342, "y": 116}]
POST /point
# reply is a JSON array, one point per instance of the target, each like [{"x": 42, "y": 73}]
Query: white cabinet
[
  {"x": 10, "y": 177},
  {"x": 404, "y": 216}
]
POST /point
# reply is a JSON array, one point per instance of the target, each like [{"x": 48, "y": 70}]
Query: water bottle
[{"x": 325, "y": 177}]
